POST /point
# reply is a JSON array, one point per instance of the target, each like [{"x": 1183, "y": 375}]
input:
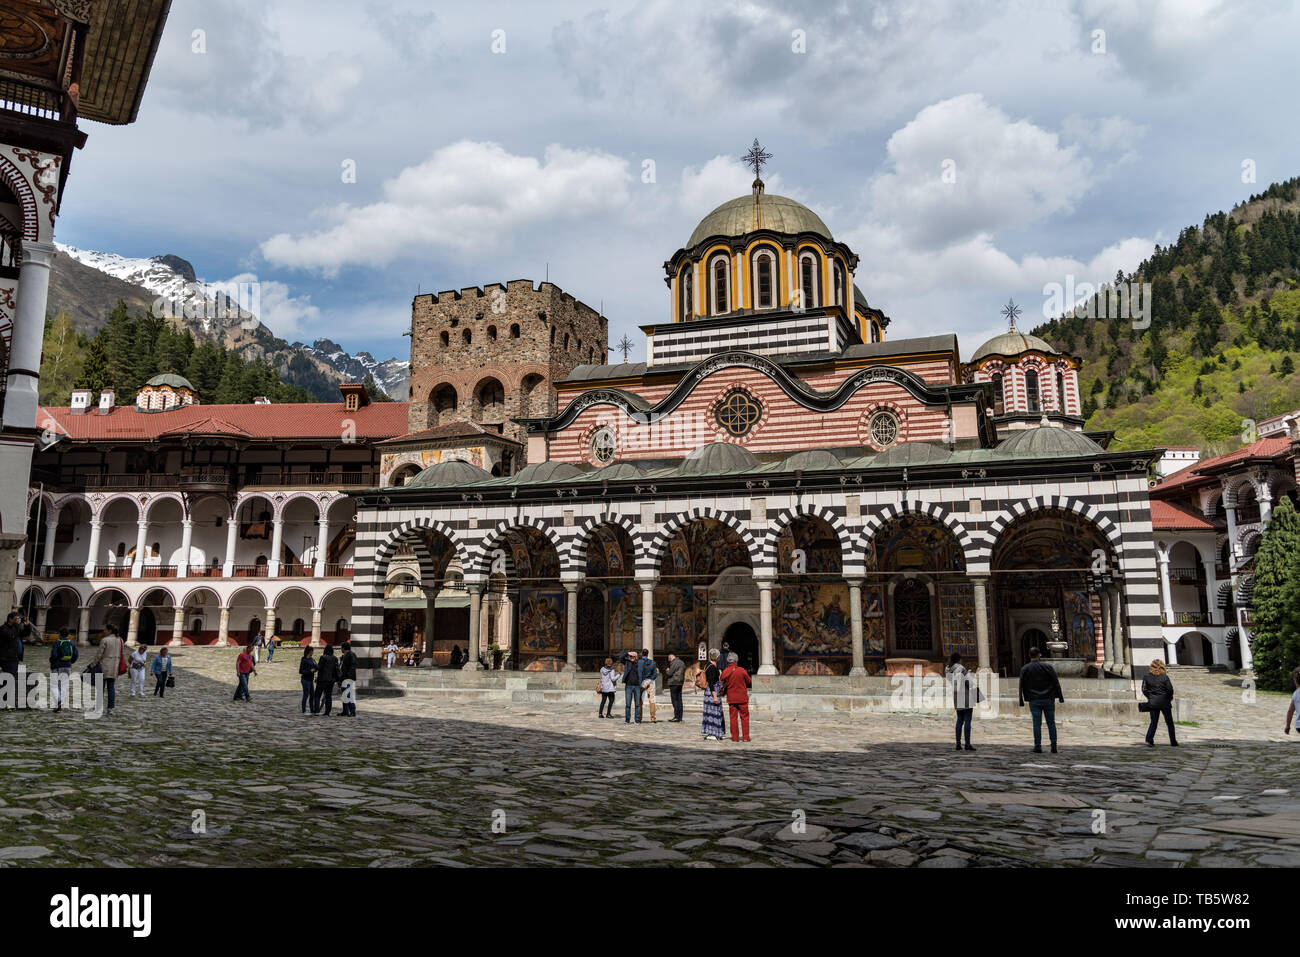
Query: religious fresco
[
  {"x": 475, "y": 455},
  {"x": 681, "y": 617},
  {"x": 1083, "y": 630},
  {"x": 819, "y": 546},
  {"x": 541, "y": 621},
  {"x": 874, "y": 634},
  {"x": 608, "y": 553},
  {"x": 532, "y": 555},
  {"x": 913, "y": 543},
  {"x": 703, "y": 549},
  {"x": 812, "y": 619}
]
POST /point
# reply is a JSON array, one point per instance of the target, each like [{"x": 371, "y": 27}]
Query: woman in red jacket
[{"x": 735, "y": 685}]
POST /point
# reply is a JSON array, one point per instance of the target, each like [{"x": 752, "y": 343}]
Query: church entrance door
[{"x": 744, "y": 643}]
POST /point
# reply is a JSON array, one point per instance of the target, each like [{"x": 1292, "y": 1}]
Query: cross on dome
[{"x": 755, "y": 158}]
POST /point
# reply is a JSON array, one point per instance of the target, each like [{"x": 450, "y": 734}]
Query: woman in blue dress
[{"x": 713, "y": 727}]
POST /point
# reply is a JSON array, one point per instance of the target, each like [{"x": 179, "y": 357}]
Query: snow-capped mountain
[
  {"x": 224, "y": 312},
  {"x": 391, "y": 375}
]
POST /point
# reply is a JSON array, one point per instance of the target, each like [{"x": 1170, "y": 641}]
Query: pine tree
[
  {"x": 1276, "y": 644},
  {"x": 372, "y": 389},
  {"x": 95, "y": 372}
]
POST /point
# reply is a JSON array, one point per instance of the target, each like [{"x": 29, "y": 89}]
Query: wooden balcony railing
[
  {"x": 158, "y": 571},
  {"x": 297, "y": 571},
  {"x": 1186, "y": 618},
  {"x": 1187, "y": 574},
  {"x": 338, "y": 571},
  {"x": 251, "y": 571},
  {"x": 112, "y": 571},
  {"x": 65, "y": 571},
  {"x": 296, "y": 477}
]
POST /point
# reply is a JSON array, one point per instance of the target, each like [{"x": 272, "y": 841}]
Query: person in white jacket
[
  {"x": 137, "y": 662},
  {"x": 965, "y": 696}
]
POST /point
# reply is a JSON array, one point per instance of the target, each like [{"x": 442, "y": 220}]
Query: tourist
[
  {"x": 454, "y": 661},
  {"x": 1039, "y": 684},
  {"x": 713, "y": 727},
  {"x": 63, "y": 655},
  {"x": 162, "y": 672},
  {"x": 631, "y": 686},
  {"x": 649, "y": 675},
  {"x": 348, "y": 677},
  {"x": 245, "y": 665},
  {"x": 965, "y": 695},
  {"x": 1159, "y": 692},
  {"x": 736, "y": 684},
  {"x": 11, "y": 648},
  {"x": 327, "y": 673},
  {"x": 1293, "y": 710},
  {"x": 307, "y": 675},
  {"x": 107, "y": 663},
  {"x": 608, "y": 686},
  {"x": 256, "y": 645},
  {"x": 674, "y": 678},
  {"x": 270, "y": 648},
  {"x": 392, "y": 653},
  {"x": 139, "y": 658},
  {"x": 417, "y": 649}
]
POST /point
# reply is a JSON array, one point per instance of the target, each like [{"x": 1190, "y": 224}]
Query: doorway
[
  {"x": 744, "y": 644},
  {"x": 1033, "y": 638}
]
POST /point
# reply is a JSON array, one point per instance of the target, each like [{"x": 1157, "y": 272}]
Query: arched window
[
  {"x": 997, "y": 392},
  {"x": 764, "y": 270},
  {"x": 1060, "y": 391},
  {"x": 839, "y": 284},
  {"x": 514, "y": 330},
  {"x": 492, "y": 333},
  {"x": 808, "y": 279},
  {"x": 720, "y": 297},
  {"x": 444, "y": 338},
  {"x": 686, "y": 308},
  {"x": 467, "y": 336},
  {"x": 1031, "y": 390},
  {"x": 566, "y": 342},
  {"x": 552, "y": 335}
]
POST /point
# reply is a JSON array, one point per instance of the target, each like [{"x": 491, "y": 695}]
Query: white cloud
[
  {"x": 468, "y": 196},
  {"x": 720, "y": 179},
  {"x": 1001, "y": 173},
  {"x": 280, "y": 311}
]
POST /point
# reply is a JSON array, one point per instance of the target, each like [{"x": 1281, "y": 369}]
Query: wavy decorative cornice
[{"x": 635, "y": 409}]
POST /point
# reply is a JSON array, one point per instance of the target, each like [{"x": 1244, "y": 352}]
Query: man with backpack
[
  {"x": 63, "y": 655},
  {"x": 631, "y": 686},
  {"x": 649, "y": 676}
]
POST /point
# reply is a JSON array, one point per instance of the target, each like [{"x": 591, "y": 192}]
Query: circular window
[
  {"x": 739, "y": 413},
  {"x": 603, "y": 447},
  {"x": 884, "y": 429}
]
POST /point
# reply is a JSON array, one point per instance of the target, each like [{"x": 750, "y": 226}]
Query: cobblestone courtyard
[{"x": 415, "y": 781}]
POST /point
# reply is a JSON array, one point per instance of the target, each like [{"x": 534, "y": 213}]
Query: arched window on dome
[
  {"x": 808, "y": 280},
  {"x": 997, "y": 393},
  {"x": 839, "y": 283},
  {"x": 1031, "y": 391},
  {"x": 686, "y": 289},
  {"x": 1060, "y": 391},
  {"x": 718, "y": 274},
  {"x": 764, "y": 275}
]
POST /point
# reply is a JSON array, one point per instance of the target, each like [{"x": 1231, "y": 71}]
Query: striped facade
[{"x": 1113, "y": 500}]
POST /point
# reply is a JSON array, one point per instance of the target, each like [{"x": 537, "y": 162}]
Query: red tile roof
[
  {"x": 288, "y": 420},
  {"x": 451, "y": 430},
  {"x": 1271, "y": 447},
  {"x": 1170, "y": 515}
]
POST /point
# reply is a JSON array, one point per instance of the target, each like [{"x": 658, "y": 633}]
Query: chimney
[
  {"x": 106, "y": 401},
  {"x": 80, "y": 401},
  {"x": 261, "y": 400}
]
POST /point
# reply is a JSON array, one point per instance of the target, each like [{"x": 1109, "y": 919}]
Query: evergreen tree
[
  {"x": 95, "y": 371},
  {"x": 1276, "y": 645},
  {"x": 372, "y": 389}
]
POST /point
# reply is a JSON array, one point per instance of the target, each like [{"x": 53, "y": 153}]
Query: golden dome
[{"x": 743, "y": 215}]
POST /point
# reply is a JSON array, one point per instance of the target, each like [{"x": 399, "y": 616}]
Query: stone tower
[{"x": 491, "y": 355}]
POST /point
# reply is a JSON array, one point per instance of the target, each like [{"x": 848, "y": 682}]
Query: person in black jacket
[
  {"x": 1039, "y": 684},
  {"x": 348, "y": 677},
  {"x": 306, "y": 674},
  {"x": 1159, "y": 691},
  {"x": 327, "y": 673},
  {"x": 12, "y": 633}
]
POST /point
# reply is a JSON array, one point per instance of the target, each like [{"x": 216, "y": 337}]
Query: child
[{"x": 162, "y": 670}]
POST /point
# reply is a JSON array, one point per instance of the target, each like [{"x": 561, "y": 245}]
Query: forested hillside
[{"x": 1224, "y": 333}]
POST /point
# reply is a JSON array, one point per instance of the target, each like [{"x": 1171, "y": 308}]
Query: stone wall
[{"x": 522, "y": 336}]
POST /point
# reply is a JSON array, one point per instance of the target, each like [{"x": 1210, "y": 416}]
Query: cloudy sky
[{"x": 968, "y": 152}]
